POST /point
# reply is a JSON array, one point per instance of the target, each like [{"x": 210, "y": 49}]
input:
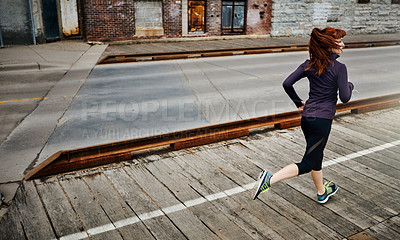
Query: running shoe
[
  {"x": 263, "y": 184},
  {"x": 330, "y": 189}
]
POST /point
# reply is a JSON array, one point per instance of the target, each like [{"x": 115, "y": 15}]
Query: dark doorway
[
  {"x": 197, "y": 14},
  {"x": 50, "y": 20},
  {"x": 233, "y": 17}
]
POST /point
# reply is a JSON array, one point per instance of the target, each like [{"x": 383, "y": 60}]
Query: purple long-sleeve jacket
[{"x": 323, "y": 93}]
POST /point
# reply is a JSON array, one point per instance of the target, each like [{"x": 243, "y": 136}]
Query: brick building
[
  {"x": 38, "y": 21},
  {"x": 107, "y": 20}
]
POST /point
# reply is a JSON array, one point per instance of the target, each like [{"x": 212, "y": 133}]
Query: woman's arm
[
  {"x": 345, "y": 87},
  {"x": 290, "y": 81}
]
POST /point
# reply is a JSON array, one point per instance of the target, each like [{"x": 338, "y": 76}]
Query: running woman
[{"x": 327, "y": 76}]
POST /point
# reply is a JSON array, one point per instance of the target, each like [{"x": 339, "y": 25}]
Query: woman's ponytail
[{"x": 320, "y": 47}]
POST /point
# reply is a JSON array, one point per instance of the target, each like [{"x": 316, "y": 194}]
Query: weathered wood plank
[
  {"x": 365, "y": 139},
  {"x": 382, "y": 231},
  {"x": 342, "y": 147},
  {"x": 197, "y": 229},
  {"x": 364, "y": 235},
  {"x": 86, "y": 206},
  {"x": 226, "y": 222},
  {"x": 161, "y": 227},
  {"x": 364, "y": 164},
  {"x": 305, "y": 186},
  {"x": 251, "y": 225},
  {"x": 11, "y": 226},
  {"x": 33, "y": 216},
  {"x": 357, "y": 166},
  {"x": 389, "y": 156},
  {"x": 306, "y": 202},
  {"x": 62, "y": 215},
  {"x": 226, "y": 205},
  {"x": 184, "y": 219},
  {"x": 395, "y": 222},
  {"x": 218, "y": 179},
  {"x": 113, "y": 205},
  {"x": 377, "y": 201},
  {"x": 380, "y": 124},
  {"x": 350, "y": 180},
  {"x": 350, "y": 187},
  {"x": 279, "y": 204}
]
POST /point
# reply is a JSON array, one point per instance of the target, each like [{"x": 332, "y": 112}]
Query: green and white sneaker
[
  {"x": 330, "y": 189},
  {"x": 262, "y": 185}
]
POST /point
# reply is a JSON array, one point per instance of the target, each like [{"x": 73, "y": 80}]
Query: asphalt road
[
  {"x": 20, "y": 93},
  {"x": 124, "y": 101}
]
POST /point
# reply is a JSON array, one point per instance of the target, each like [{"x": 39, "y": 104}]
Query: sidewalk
[
  {"x": 60, "y": 54},
  {"x": 64, "y": 53},
  {"x": 176, "y": 45}
]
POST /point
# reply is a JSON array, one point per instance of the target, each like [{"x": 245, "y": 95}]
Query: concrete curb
[
  {"x": 19, "y": 66},
  {"x": 182, "y": 39},
  {"x": 32, "y": 66}
]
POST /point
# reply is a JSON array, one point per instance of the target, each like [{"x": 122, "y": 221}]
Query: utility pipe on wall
[
  {"x": 1, "y": 39},
  {"x": 32, "y": 23}
]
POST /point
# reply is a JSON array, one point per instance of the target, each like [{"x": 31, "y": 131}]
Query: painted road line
[
  {"x": 211, "y": 197},
  {"x": 21, "y": 100}
]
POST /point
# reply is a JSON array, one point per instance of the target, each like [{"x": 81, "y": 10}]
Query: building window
[
  {"x": 196, "y": 10},
  {"x": 395, "y": 1},
  {"x": 233, "y": 16},
  {"x": 363, "y": 1}
]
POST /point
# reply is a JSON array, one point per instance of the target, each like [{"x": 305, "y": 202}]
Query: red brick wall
[
  {"x": 213, "y": 20},
  {"x": 172, "y": 12},
  {"x": 106, "y": 20},
  {"x": 255, "y": 24}
]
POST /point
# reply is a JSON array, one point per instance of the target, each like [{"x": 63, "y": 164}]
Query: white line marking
[
  {"x": 74, "y": 236},
  {"x": 195, "y": 202},
  {"x": 174, "y": 208},
  {"x": 234, "y": 191},
  {"x": 101, "y": 229},
  {"x": 126, "y": 222},
  {"x": 211, "y": 197},
  {"x": 216, "y": 196},
  {"x": 150, "y": 215}
]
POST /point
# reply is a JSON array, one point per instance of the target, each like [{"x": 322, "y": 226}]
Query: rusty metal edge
[
  {"x": 122, "y": 147},
  {"x": 121, "y": 58}
]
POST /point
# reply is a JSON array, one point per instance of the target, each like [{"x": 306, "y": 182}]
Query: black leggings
[{"x": 316, "y": 131}]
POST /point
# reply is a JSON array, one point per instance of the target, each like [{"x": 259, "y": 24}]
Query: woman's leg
[
  {"x": 316, "y": 131},
  {"x": 318, "y": 181},
  {"x": 285, "y": 173}
]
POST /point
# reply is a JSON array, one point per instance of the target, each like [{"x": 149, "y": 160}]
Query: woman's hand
[{"x": 301, "y": 108}]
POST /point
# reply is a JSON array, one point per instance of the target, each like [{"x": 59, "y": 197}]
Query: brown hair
[{"x": 320, "y": 45}]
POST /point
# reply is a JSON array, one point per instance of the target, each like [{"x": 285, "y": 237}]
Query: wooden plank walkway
[{"x": 203, "y": 192}]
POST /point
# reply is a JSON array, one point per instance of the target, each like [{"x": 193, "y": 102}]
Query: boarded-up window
[
  {"x": 148, "y": 18},
  {"x": 196, "y": 12},
  {"x": 69, "y": 16}
]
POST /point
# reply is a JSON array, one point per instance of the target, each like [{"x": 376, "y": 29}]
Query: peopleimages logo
[{"x": 183, "y": 110}]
